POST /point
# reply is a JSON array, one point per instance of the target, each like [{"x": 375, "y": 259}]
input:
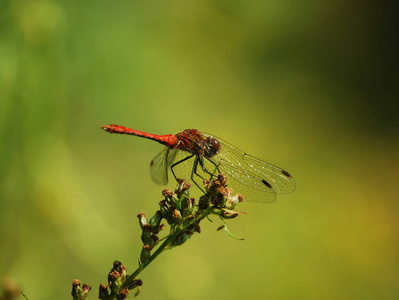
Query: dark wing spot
[
  {"x": 266, "y": 183},
  {"x": 286, "y": 173},
  {"x": 152, "y": 162}
]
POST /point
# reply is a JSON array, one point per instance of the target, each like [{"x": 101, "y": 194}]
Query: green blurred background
[{"x": 307, "y": 86}]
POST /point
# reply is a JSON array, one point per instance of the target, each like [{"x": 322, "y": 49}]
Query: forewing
[{"x": 256, "y": 180}]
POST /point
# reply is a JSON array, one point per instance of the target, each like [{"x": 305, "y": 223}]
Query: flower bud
[
  {"x": 79, "y": 292},
  {"x": 170, "y": 197},
  {"x": 182, "y": 188},
  {"x": 145, "y": 254},
  {"x": 203, "y": 202},
  {"x": 113, "y": 275},
  {"x": 222, "y": 179},
  {"x": 76, "y": 289},
  {"x": 164, "y": 209},
  {"x": 103, "y": 293},
  {"x": 167, "y": 193},
  {"x": 146, "y": 234},
  {"x": 142, "y": 220},
  {"x": 85, "y": 290},
  {"x": 135, "y": 283},
  {"x": 187, "y": 206},
  {"x": 122, "y": 294},
  {"x": 155, "y": 222},
  {"x": 181, "y": 239},
  {"x": 116, "y": 265},
  {"x": 176, "y": 214},
  {"x": 123, "y": 273},
  {"x": 221, "y": 197},
  {"x": 232, "y": 201}
]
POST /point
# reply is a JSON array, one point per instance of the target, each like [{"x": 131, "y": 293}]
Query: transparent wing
[
  {"x": 256, "y": 180},
  {"x": 183, "y": 167},
  {"x": 192, "y": 168},
  {"x": 161, "y": 164},
  {"x": 159, "y": 168}
]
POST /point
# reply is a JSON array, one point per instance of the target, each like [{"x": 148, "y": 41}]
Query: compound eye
[{"x": 213, "y": 146}]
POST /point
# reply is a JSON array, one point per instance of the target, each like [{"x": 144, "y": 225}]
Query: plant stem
[{"x": 164, "y": 245}]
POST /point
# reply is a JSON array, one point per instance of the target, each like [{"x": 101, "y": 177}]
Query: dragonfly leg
[
  {"x": 201, "y": 161},
  {"x": 215, "y": 164},
  {"x": 194, "y": 171},
  {"x": 176, "y": 163}
]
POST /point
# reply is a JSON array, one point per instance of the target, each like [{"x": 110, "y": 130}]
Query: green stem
[{"x": 164, "y": 245}]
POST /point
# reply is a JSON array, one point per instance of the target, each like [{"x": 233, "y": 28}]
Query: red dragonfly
[{"x": 191, "y": 154}]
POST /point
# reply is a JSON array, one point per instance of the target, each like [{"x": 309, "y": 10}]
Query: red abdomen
[{"x": 168, "y": 140}]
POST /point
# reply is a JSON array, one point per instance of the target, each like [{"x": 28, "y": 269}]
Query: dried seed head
[
  {"x": 182, "y": 188},
  {"x": 155, "y": 221},
  {"x": 176, "y": 214},
  {"x": 79, "y": 292},
  {"x": 167, "y": 193},
  {"x": 135, "y": 283},
  {"x": 122, "y": 294},
  {"x": 222, "y": 179},
  {"x": 113, "y": 275},
  {"x": 142, "y": 220},
  {"x": 145, "y": 254},
  {"x": 103, "y": 291},
  {"x": 232, "y": 201}
]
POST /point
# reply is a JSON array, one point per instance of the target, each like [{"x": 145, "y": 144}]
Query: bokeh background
[{"x": 309, "y": 86}]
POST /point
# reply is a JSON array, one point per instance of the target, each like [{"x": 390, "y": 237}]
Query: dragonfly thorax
[
  {"x": 193, "y": 141},
  {"x": 212, "y": 147}
]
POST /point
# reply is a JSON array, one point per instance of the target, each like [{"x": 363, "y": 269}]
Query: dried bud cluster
[
  {"x": 183, "y": 216},
  {"x": 79, "y": 292},
  {"x": 220, "y": 198},
  {"x": 116, "y": 278},
  {"x": 177, "y": 209},
  {"x": 180, "y": 212},
  {"x": 149, "y": 236}
]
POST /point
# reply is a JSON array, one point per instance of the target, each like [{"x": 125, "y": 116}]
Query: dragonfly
[{"x": 195, "y": 156}]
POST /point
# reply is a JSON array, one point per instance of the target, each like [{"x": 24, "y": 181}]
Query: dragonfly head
[{"x": 212, "y": 147}]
